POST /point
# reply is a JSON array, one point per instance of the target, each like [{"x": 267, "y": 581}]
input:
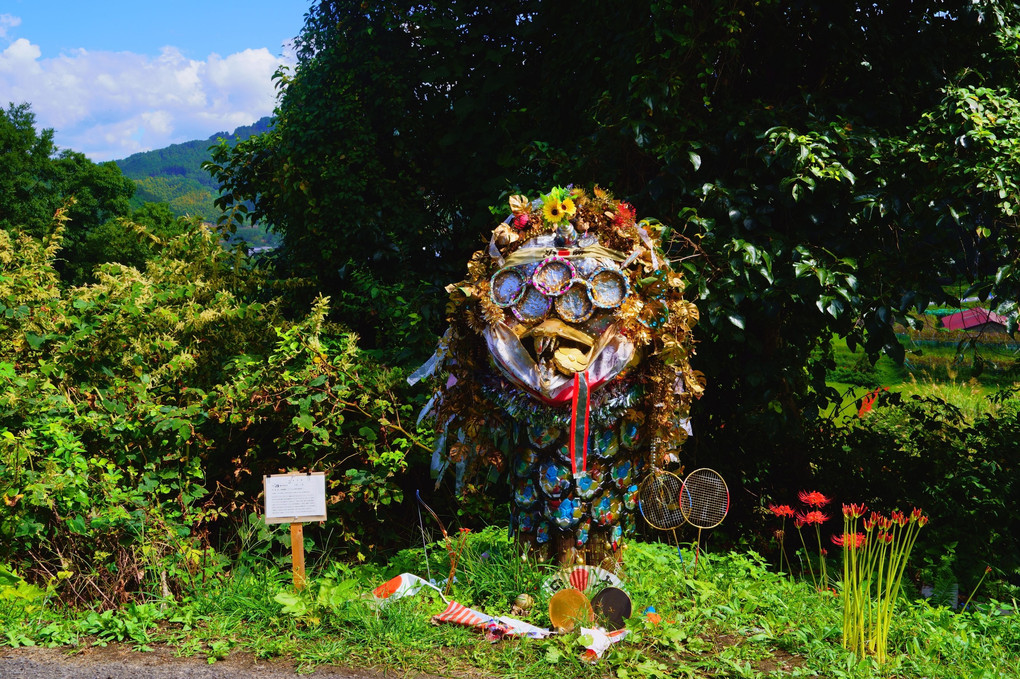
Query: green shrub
[
  {"x": 924, "y": 452},
  {"x": 139, "y": 412}
]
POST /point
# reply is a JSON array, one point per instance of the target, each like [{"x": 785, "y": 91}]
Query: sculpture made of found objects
[{"x": 566, "y": 366}]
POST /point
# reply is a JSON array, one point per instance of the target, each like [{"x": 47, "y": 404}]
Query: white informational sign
[{"x": 295, "y": 497}]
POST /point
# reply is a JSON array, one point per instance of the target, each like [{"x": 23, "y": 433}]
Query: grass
[
  {"x": 933, "y": 368},
  {"x": 735, "y": 617}
]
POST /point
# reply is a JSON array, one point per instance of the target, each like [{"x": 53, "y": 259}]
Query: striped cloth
[
  {"x": 495, "y": 629},
  {"x": 462, "y": 615}
]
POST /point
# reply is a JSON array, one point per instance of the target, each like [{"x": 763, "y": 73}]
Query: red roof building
[{"x": 977, "y": 320}]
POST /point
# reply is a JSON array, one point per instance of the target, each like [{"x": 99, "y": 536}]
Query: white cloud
[
  {"x": 109, "y": 105},
  {"x": 8, "y": 21}
]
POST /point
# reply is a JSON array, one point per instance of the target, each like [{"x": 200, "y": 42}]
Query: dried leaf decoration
[{"x": 519, "y": 204}]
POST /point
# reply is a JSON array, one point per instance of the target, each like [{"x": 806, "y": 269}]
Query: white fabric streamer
[
  {"x": 431, "y": 366},
  {"x": 495, "y": 628}
]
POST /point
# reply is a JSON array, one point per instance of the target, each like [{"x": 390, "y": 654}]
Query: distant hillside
[{"x": 174, "y": 175}]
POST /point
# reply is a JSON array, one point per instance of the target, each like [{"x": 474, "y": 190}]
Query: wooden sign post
[
  {"x": 297, "y": 553},
  {"x": 296, "y": 498}
]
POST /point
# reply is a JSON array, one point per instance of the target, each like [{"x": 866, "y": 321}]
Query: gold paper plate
[{"x": 569, "y": 608}]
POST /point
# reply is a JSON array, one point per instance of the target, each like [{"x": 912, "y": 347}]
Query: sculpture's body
[{"x": 568, "y": 362}]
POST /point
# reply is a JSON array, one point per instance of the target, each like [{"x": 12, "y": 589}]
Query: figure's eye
[
  {"x": 608, "y": 288},
  {"x": 575, "y": 306},
  {"x": 553, "y": 276},
  {"x": 507, "y": 286}
]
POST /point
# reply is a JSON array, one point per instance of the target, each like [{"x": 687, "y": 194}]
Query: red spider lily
[
  {"x": 850, "y": 540},
  {"x": 868, "y": 400},
  {"x": 798, "y": 521},
  {"x": 873, "y": 566},
  {"x": 876, "y": 519},
  {"x": 782, "y": 511},
  {"x": 813, "y": 517},
  {"x": 813, "y": 498},
  {"x": 853, "y": 511}
]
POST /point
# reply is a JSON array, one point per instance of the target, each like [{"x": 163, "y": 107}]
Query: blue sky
[{"x": 113, "y": 77}]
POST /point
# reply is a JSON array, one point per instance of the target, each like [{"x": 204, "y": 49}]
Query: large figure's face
[
  {"x": 571, "y": 295},
  {"x": 559, "y": 317}
]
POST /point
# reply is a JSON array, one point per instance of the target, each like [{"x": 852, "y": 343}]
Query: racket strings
[
  {"x": 659, "y": 500},
  {"x": 705, "y": 499}
]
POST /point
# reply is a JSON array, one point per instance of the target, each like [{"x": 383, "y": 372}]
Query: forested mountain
[{"x": 174, "y": 174}]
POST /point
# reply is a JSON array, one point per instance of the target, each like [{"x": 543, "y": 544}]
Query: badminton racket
[
  {"x": 659, "y": 502},
  {"x": 704, "y": 502}
]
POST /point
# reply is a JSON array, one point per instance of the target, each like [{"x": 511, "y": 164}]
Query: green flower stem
[
  {"x": 872, "y": 577},
  {"x": 808, "y": 556},
  {"x": 822, "y": 576},
  {"x": 782, "y": 549},
  {"x": 974, "y": 591}
]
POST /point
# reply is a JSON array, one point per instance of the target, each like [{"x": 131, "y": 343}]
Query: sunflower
[
  {"x": 553, "y": 211},
  {"x": 568, "y": 207}
]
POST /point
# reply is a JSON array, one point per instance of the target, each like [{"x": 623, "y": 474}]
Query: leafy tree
[
  {"x": 25, "y": 169},
  {"x": 36, "y": 181},
  {"x": 826, "y": 167},
  {"x": 100, "y": 193},
  {"x": 131, "y": 240},
  {"x": 923, "y": 452}
]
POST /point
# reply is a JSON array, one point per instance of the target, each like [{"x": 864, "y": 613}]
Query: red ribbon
[{"x": 580, "y": 408}]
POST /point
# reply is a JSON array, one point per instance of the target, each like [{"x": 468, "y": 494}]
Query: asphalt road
[{"x": 115, "y": 662}]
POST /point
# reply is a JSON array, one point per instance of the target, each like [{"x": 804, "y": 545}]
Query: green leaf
[
  {"x": 305, "y": 421},
  {"x": 35, "y": 341},
  {"x": 8, "y": 578},
  {"x": 553, "y": 655},
  {"x": 292, "y": 603}
]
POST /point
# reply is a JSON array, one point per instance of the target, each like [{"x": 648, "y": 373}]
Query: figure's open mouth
[
  {"x": 545, "y": 358},
  {"x": 558, "y": 347}
]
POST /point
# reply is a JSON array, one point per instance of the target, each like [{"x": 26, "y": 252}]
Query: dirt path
[{"x": 119, "y": 662}]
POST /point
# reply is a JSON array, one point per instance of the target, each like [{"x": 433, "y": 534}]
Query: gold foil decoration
[
  {"x": 569, "y": 360},
  {"x": 519, "y": 204}
]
